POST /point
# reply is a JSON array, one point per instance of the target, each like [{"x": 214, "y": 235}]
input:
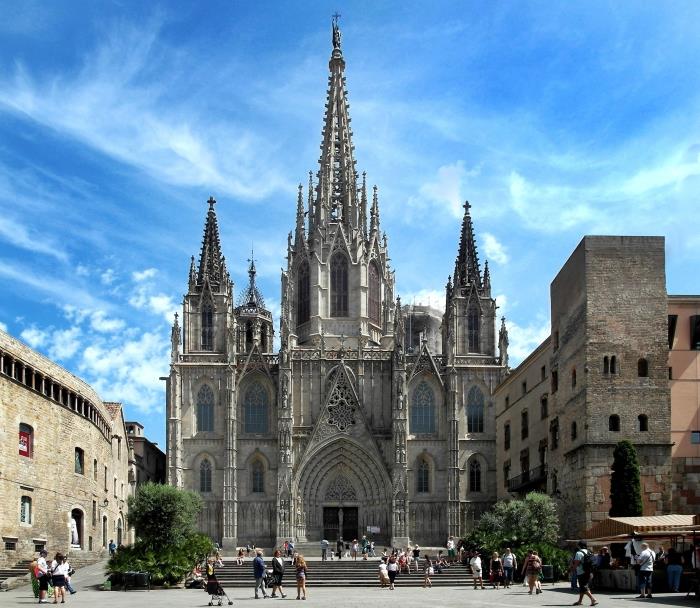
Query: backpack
[{"x": 587, "y": 563}]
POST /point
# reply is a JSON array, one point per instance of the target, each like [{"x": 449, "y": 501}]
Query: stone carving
[
  {"x": 74, "y": 538},
  {"x": 340, "y": 490},
  {"x": 341, "y": 405}
]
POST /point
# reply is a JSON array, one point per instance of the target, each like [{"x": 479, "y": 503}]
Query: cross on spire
[
  {"x": 212, "y": 202},
  {"x": 467, "y": 206}
]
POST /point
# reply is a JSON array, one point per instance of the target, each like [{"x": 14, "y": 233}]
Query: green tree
[{"x": 625, "y": 483}]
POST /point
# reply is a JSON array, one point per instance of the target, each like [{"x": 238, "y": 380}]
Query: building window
[
  {"x": 205, "y": 409},
  {"x": 643, "y": 422},
  {"x": 573, "y": 378},
  {"x": 10, "y": 545},
  {"x": 554, "y": 433},
  {"x": 79, "y": 461},
  {"x": 525, "y": 464},
  {"x": 208, "y": 327},
  {"x": 672, "y": 324},
  {"x": 574, "y": 431},
  {"x": 507, "y": 401},
  {"x": 643, "y": 368},
  {"x": 614, "y": 423},
  {"x": 524, "y": 425},
  {"x": 543, "y": 373},
  {"x": 94, "y": 512},
  {"x": 544, "y": 407},
  {"x": 258, "y": 477},
  {"x": 119, "y": 448},
  {"x": 670, "y": 373},
  {"x": 556, "y": 340},
  {"x": 475, "y": 410},
  {"x": 555, "y": 381},
  {"x": 26, "y": 440},
  {"x": 105, "y": 478},
  {"x": 475, "y": 476},
  {"x": 255, "y": 406},
  {"x": 339, "y": 285},
  {"x": 423, "y": 409},
  {"x": 303, "y": 293},
  {"x": 695, "y": 437},
  {"x": 374, "y": 295},
  {"x": 94, "y": 469},
  {"x": 25, "y": 510},
  {"x": 524, "y": 386},
  {"x": 473, "y": 329},
  {"x": 606, "y": 364},
  {"x": 423, "y": 477},
  {"x": 695, "y": 332},
  {"x": 613, "y": 364},
  {"x": 506, "y": 436},
  {"x": 115, "y": 488},
  {"x": 205, "y": 476},
  {"x": 506, "y": 473}
]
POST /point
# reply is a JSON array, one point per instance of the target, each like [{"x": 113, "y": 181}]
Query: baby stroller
[
  {"x": 214, "y": 589},
  {"x": 269, "y": 579}
]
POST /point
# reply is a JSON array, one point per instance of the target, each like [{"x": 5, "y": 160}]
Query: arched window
[
  {"x": 249, "y": 339},
  {"x": 423, "y": 477},
  {"x": 94, "y": 469},
  {"x": 642, "y": 368},
  {"x": 643, "y": 422},
  {"x": 614, "y": 423},
  {"x": 574, "y": 431},
  {"x": 613, "y": 364},
  {"x": 573, "y": 378},
  {"x": 25, "y": 510},
  {"x": 26, "y": 440},
  {"x": 207, "y": 327},
  {"x": 303, "y": 293},
  {"x": 255, "y": 404},
  {"x": 473, "y": 321},
  {"x": 205, "y": 410},
  {"x": 79, "y": 461},
  {"x": 205, "y": 476},
  {"x": 475, "y": 476},
  {"x": 257, "y": 474},
  {"x": 606, "y": 364},
  {"x": 423, "y": 409},
  {"x": 339, "y": 285},
  {"x": 374, "y": 296},
  {"x": 475, "y": 410}
]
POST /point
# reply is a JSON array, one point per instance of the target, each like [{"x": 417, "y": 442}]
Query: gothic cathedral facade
[{"x": 343, "y": 429}]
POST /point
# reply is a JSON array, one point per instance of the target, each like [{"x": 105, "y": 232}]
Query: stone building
[
  {"x": 65, "y": 460},
  {"x": 343, "y": 428},
  {"x": 148, "y": 462},
  {"x": 601, "y": 377},
  {"x": 684, "y": 378},
  {"x": 422, "y": 323}
]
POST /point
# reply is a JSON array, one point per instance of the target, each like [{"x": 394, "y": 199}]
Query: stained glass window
[
  {"x": 205, "y": 410},
  {"x": 423, "y": 409},
  {"x": 255, "y": 408},
  {"x": 475, "y": 476},
  {"x": 205, "y": 476},
  {"x": 475, "y": 410},
  {"x": 207, "y": 327},
  {"x": 423, "y": 477},
  {"x": 303, "y": 294},
  {"x": 473, "y": 329},
  {"x": 258, "y": 477},
  {"x": 339, "y": 285}
]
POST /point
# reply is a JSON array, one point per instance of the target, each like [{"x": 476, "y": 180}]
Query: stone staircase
[
  {"x": 341, "y": 573},
  {"x": 19, "y": 569}
]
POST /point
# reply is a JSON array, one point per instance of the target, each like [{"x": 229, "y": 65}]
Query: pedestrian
[
  {"x": 383, "y": 574},
  {"x": 510, "y": 565},
  {"x": 112, "y": 547},
  {"x": 324, "y": 550},
  {"x": 286, "y": 546},
  {"x": 475, "y": 564},
  {"x": 583, "y": 564},
  {"x": 531, "y": 570},
  {"x": 339, "y": 547},
  {"x": 573, "y": 577},
  {"x": 259, "y": 573},
  {"x": 372, "y": 549},
  {"x": 451, "y": 549},
  {"x": 496, "y": 568},
  {"x": 645, "y": 561},
  {"x": 392, "y": 568},
  {"x": 247, "y": 549},
  {"x": 239, "y": 557},
  {"x": 290, "y": 548},
  {"x": 277, "y": 574},
  {"x": 416, "y": 556},
  {"x": 353, "y": 550},
  {"x": 302, "y": 571},
  {"x": 427, "y": 573},
  {"x": 59, "y": 571},
  {"x": 364, "y": 546},
  {"x": 42, "y": 575},
  {"x": 71, "y": 572},
  {"x": 674, "y": 569}
]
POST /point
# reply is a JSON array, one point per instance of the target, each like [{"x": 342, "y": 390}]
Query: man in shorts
[
  {"x": 584, "y": 574},
  {"x": 451, "y": 549}
]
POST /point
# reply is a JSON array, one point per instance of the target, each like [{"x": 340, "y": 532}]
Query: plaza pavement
[{"x": 88, "y": 580}]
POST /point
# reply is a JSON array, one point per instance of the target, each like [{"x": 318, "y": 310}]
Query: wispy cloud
[
  {"x": 19, "y": 235},
  {"x": 494, "y": 249}
]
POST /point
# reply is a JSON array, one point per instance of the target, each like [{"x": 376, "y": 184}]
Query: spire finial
[
  {"x": 336, "y": 31},
  {"x": 212, "y": 202},
  {"x": 467, "y": 206}
]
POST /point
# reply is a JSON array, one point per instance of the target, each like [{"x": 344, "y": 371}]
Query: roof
[
  {"x": 616, "y": 526},
  {"x": 113, "y": 407}
]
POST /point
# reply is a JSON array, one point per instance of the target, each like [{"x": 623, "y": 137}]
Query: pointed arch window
[
  {"x": 423, "y": 409},
  {"x": 205, "y": 409},
  {"x": 208, "y": 327},
  {"x": 249, "y": 335},
  {"x": 255, "y": 406},
  {"x": 257, "y": 475},
  {"x": 205, "y": 476},
  {"x": 473, "y": 326},
  {"x": 475, "y": 410},
  {"x": 374, "y": 295},
  {"x": 423, "y": 477},
  {"x": 303, "y": 294},
  {"x": 475, "y": 476},
  {"x": 339, "y": 285}
]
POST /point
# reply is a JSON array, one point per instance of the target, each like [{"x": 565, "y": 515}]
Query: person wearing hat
[{"x": 42, "y": 575}]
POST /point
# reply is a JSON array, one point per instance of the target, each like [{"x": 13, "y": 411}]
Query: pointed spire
[
  {"x": 193, "y": 275},
  {"x": 363, "y": 205},
  {"x": 300, "y": 235},
  {"x": 251, "y": 296},
  {"x": 374, "y": 212},
  {"x": 487, "y": 278},
  {"x": 503, "y": 343},
  {"x": 311, "y": 210},
  {"x": 210, "y": 261},
  {"x": 467, "y": 269},
  {"x": 337, "y": 199}
]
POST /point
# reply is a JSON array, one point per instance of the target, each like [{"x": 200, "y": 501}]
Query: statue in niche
[
  {"x": 285, "y": 392},
  {"x": 74, "y": 538}
]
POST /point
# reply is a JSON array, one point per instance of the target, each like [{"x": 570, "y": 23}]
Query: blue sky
[{"x": 119, "y": 119}]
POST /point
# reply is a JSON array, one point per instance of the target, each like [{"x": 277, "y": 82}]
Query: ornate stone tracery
[{"x": 340, "y": 490}]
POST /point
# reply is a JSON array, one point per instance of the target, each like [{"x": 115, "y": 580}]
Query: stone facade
[
  {"x": 608, "y": 379},
  {"x": 148, "y": 459},
  {"x": 343, "y": 428},
  {"x": 72, "y": 462}
]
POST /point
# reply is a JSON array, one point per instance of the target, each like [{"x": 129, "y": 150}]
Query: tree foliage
[{"x": 625, "y": 483}]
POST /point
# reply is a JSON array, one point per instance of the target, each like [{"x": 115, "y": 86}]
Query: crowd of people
[{"x": 51, "y": 579}]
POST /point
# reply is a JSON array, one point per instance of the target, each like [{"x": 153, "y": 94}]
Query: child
[{"x": 428, "y": 572}]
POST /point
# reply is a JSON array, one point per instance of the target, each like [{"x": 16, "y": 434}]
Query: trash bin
[{"x": 548, "y": 572}]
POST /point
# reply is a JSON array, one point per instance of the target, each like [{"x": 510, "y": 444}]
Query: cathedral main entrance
[{"x": 340, "y": 522}]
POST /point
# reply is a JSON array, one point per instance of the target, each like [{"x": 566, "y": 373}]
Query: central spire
[
  {"x": 467, "y": 269},
  {"x": 337, "y": 177},
  {"x": 212, "y": 267}
]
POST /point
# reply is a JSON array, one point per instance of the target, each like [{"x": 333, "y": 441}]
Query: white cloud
[
  {"x": 19, "y": 236},
  {"x": 82, "y": 271},
  {"x": 3, "y": 326},
  {"x": 100, "y": 322},
  {"x": 447, "y": 190},
  {"x": 501, "y": 303},
  {"x": 139, "y": 276},
  {"x": 107, "y": 277},
  {"x": 524, "y": 339},
  {"x": 425, "y": 297},
  {"x": 64, "y": 343},
  {"x": 159, "y": 303},
  {"x": 494, "y": 249},
  {"x": 34, "y": 336}
]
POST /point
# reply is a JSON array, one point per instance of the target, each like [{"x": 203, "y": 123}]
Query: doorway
[{"x": 340, "y": 521}]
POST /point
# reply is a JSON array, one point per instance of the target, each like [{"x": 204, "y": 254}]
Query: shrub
[{"x": 625, "y": 484}]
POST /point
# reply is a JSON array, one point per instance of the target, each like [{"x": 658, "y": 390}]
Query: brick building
[
  {"x": 64, "y": 460},
  {"x": 600, "y": 378},
  {"x": 149, "y": 461}
]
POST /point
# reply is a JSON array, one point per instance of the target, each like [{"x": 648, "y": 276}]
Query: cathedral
[{"x": 353, "y": 427}]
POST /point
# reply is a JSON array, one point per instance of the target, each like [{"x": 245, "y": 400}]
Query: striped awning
[{"x": 616, "y": 526}]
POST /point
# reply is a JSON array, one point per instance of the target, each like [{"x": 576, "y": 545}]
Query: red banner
[{"x": 25, "y": 448}]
